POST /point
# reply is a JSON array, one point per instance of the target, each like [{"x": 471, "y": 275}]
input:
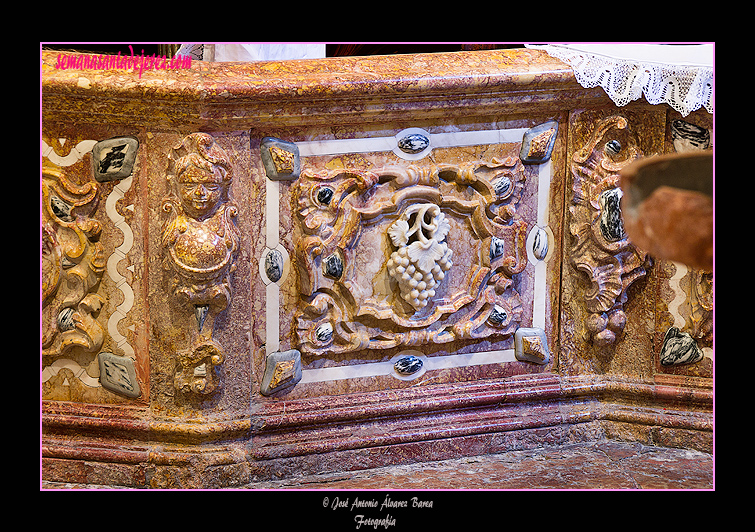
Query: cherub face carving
[{"x": 200, "y": 191}]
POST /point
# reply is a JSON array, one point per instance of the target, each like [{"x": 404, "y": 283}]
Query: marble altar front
[{"x": 253, "y": 270}]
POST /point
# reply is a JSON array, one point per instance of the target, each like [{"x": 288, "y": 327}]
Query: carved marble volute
[
  {"x": 600, "y": 248},
  {"x": 73, "y": 261}
]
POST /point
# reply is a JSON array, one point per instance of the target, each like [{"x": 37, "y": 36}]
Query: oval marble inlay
[
  {"x": 611, "y": 224},
  {"x": 408, "y": 365},
  {"x": 413, "y": 143},
  {"x": 688, "y": 136},
  {"x": 324, "y": 195},
  {"x": 613, "y": 147},
  {"x": 274, "y": 265},
  {"x": 540, "y": 243},
  {"x": 324, "y": 332},
  {"x": 503, "y": 186},
  {"x": 496, "y": 248},
  {"x": 60, "y": 208},
  {"x": 497, "y": 315},
  {"x": 333, "y": 266},
  {"x": 65, "y": 319}
]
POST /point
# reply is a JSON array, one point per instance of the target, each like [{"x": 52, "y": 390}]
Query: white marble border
[
  {"x": 79, "y": 372},
  {"x": 115, "y": 258},
  {"x": 541, "y": 268},
  {"x": 378, "y": 144},
  {"x": 437, "y": 140},
  {"x": 376, "y": 369},
  {"x": 272, "y": 292},
  {"x": 76, "y": 153}
]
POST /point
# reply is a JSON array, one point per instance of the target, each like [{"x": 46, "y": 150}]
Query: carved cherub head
[{"x": 201, "y": 173}]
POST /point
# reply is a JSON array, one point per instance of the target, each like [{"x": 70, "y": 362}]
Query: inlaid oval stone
[
  {"x": 65, "y": 319},
  {"x": 503, "y": 186},
  {"x": 274, "y": 265},
  {"x": 540, "y": 244},
  {"x": 408, "y": 365},
  {"x": 413, "y": 143},
  {"x": 688, "y": 136},
  {"x": 497, "y": 315},
  {"x": 611, "y": 223},
  {"x": 496, "y": 248},
  {"x": 334, "y": 266},
  {"x": 613, "y": 147},
  {"x": 324, "y": 195},
  {"x": 324, "y": 332},
  {"x": 679, "y": 348},
  {"x": 60, "y": 208}
]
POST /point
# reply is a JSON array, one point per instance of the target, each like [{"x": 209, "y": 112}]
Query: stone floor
[
  {"x": 604, "y": 465},
  {"x": 601, "y": 465}
]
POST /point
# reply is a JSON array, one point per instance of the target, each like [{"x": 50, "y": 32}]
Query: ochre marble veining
[
  {"x": 546, "y": 324},
  {"x": 354, "y": 227}
]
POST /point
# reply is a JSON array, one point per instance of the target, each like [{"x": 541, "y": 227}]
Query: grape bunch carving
[{"x": 422, "y": 258}]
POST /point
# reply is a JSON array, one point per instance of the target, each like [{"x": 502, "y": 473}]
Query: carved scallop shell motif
[{"x": 422, "y": 258}]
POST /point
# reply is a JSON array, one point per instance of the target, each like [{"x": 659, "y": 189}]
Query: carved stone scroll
[
  {"x": 201, "y": 242},
  {"x": 73, "y": 261},
  {"x": 600, "y": 248},
  {"x": 407, "y": 255}
]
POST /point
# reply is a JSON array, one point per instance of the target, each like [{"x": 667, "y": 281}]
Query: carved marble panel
[
  {"x": 684, "y": 331},
  {"x": 73, "y": 262},
  {"x": 410, "y": 253},
  {"x": 376, "y": 265},
  {"x": 88, "y": 265}
]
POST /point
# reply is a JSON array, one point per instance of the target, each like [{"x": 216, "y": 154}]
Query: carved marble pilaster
[
  {"x": 200, "y": 242},
  {"x": 600, "y": 249}
]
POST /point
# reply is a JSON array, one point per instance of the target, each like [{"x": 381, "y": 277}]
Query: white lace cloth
[{"x": 679, "y": 75}]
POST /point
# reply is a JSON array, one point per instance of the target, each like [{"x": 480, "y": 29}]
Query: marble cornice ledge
[
  {"x": 309, "y": 92},
  {"x": 606, "y": 391},
  {"x": 613, "y": 393},
  {"x": 320, "y": 425}
]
